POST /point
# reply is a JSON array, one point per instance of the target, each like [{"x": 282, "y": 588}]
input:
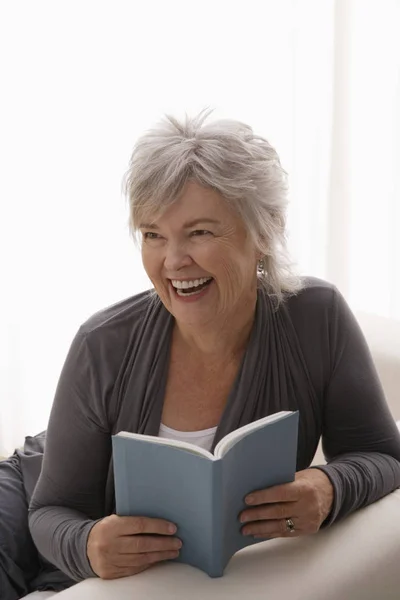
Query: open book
[{"x": 203, "y": 493}]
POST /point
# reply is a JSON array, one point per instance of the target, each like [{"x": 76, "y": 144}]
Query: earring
[{"x": 261, "y": 266}]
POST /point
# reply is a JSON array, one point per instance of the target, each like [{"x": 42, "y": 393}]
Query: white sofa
[
  {"x": 357, "y": 559},
  {"x": 365, "y": 549}
]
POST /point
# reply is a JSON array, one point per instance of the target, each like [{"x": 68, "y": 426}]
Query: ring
[{"x": 290, "y": 525}]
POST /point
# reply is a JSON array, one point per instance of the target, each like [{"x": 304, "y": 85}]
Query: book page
[
  {"x": 168, "y": 442},
  {"x": 232, "y": 438}
]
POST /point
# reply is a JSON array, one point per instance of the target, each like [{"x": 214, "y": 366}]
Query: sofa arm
[{"x": 355, "y": 559}]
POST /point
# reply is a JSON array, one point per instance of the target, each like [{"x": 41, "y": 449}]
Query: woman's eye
[
  {"x": 150, "y": 235},
  {"x": 198, "y": 232}
]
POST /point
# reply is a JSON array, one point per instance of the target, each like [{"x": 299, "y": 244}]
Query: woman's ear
[
  {"x": 259, "y": 255},
  {"x": 261, "y": 242}
]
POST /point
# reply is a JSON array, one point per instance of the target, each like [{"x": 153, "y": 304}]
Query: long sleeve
[
  {"x": 69, "y": 496},
  {"x": 360, "y": 440}
]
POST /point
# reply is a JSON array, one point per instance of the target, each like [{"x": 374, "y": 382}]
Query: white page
[
  {"x": 167, "y": 442},
  {"x": 223, "y": 445},
  {"x": 230, "y": 440}
]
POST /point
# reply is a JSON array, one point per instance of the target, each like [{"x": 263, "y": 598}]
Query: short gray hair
[{"x": 227, "y": 156}]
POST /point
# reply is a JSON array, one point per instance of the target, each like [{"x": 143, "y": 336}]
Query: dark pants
[
  {"x": 22, "y": 568},
  {"x": 19, "y": 559}
]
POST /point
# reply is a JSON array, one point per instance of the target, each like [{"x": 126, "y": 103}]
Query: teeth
[{"x": 184, "y": 285}]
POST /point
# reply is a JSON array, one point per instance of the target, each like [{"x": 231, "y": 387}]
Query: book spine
[{"x": 216, "y": 554}]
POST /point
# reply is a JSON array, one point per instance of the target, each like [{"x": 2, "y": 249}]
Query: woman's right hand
[{"x": 120, "y": 546}]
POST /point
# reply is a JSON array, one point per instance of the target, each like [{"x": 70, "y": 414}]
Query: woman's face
[{"x": 200, "y": 258}]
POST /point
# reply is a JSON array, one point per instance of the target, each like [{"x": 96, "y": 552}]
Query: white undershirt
[{"x": 203, "y": 438}]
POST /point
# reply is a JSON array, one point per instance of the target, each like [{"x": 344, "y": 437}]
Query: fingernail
[
  {"x": 246, "y": 531},
  {"x": 249, "y": 499},
  {"x": 243, "y": 519},
  {"x": 172, "y": 528}
]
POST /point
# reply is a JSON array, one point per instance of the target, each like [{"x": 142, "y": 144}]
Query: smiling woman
[
  {"x": 221, "y": 259},
  {"x": 221, "y": 174},
  {"x": 228, "y": 335}
]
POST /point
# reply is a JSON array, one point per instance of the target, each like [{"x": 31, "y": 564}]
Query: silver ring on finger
[{"x": 290, "y": 526}]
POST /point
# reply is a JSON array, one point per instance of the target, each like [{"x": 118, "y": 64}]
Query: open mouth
[{"x": 191, "y": 288}]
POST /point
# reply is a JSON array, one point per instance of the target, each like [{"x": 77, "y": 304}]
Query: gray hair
[{"x": 228, "y": 157}]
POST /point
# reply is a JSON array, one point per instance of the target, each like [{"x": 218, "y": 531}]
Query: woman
[{"x": 229, "y": 335}]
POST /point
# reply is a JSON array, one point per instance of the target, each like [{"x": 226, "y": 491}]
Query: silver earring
[{"x": 261, "y": 266}]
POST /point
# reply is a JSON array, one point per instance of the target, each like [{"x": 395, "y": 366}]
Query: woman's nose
[{"x": 176, "y": 257}]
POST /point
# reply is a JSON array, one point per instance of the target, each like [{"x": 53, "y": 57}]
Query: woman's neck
[{"x": 220, "y": 340}]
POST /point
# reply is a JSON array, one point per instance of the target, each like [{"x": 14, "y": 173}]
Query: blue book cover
[{"x": 203, "y": 493}]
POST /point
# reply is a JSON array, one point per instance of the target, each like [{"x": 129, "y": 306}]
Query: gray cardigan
[{"x": 309, "y": 355}]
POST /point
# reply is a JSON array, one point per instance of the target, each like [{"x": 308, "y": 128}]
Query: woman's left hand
[{"x": 307, "y": 502}]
